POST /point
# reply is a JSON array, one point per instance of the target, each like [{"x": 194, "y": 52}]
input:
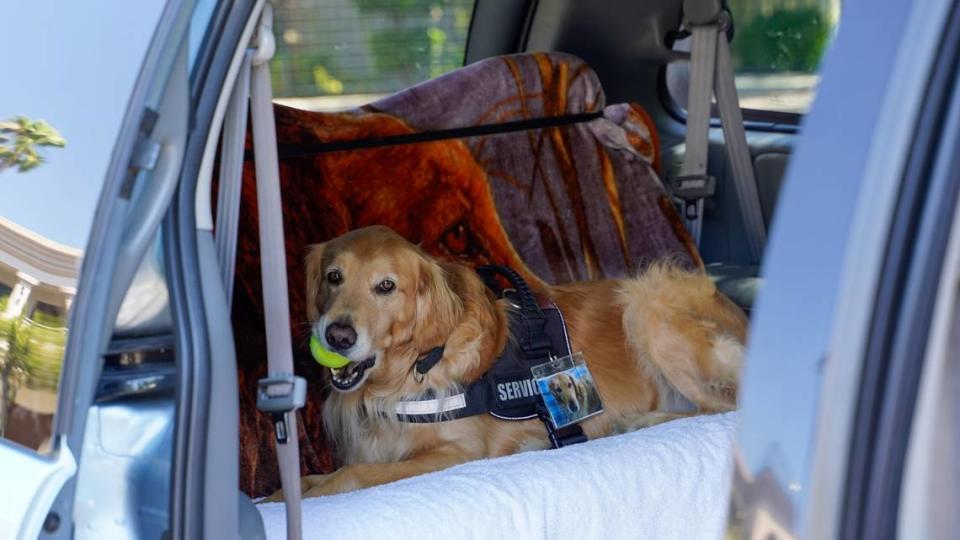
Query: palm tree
[
  {"x": 20, "y": 138},
  {"x": 13, "y": 364}
]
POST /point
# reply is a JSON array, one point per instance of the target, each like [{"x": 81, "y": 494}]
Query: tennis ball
[{"x": 326, "y": 357}]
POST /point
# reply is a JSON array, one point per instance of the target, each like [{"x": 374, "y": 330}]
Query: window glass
[
  {"x": 776, "y": 52},
  {"x": 777, "y": 48},
  {"x": 63, "y": 99},
  {"x": 337, "y": 54}
]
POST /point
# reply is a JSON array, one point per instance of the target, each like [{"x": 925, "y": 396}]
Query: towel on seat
[{"x": 667, "y": 481}]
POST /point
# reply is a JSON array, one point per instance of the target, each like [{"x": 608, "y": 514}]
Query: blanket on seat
[
  {"x": 564, "y": 188},
  {"x": 667, "y": 481}
]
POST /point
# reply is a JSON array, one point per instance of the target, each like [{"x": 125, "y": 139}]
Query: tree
[
  {"x": 20, "y": 139},
  {"x": 423, "y": 38},
  {"x": 13, "y": 364},
  {"x": 790, "y": 40}
]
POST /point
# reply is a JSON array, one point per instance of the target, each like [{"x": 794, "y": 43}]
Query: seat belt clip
[
  {"x": 272, "y": 400},
  {"x": 691, "y": 189}
]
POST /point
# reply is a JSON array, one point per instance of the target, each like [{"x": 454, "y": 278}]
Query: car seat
[{"x": 514, "y": 160}]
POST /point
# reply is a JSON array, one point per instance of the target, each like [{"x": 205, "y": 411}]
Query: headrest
[{"x": 497, "y": 90}]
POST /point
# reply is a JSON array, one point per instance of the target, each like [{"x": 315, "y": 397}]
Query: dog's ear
[
  {"x": 439, "y": 307},
  {"x": 314, "y": 279},
  {"x": 581, "y": 389}
]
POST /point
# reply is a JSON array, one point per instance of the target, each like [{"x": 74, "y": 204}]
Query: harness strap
[
  {"x": 426, "y": 362},
  {"x": 531, "y": 337}
]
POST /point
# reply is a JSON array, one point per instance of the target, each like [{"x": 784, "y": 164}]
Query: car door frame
[
  {"x": 906, "y": 298},
  {"x": 205, "y": 476}
]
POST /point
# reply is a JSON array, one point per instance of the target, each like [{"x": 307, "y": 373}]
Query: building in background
[
  {"x": 38, "y": 280},
  {"x": 38, "y": 277}
]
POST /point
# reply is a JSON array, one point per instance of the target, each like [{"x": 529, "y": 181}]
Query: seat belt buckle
[
  {"x": 692, "y": 188},
  {"x": 278, "y": 396}
]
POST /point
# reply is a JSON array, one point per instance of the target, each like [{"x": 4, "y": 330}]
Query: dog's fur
[{"x": 660, "y": 346}]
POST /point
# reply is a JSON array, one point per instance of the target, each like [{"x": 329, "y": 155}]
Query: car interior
[
  {"x": 548, "y": 148},
  {"x": 549, "y": 93}
]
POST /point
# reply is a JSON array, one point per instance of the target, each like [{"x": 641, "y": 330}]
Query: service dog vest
[{"x": 507, "y": 390}]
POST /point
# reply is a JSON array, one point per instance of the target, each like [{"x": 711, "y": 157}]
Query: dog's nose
[{"x": 341, "y": 336}]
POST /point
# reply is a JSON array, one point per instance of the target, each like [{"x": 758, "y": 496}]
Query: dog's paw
[
  {"x": 333, "y": 484},
  {"x": 645, "y": 420},
  {"x": 306, "y": 484}
]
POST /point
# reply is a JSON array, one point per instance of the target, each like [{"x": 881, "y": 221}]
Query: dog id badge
[{"x": 567, "y": 389}]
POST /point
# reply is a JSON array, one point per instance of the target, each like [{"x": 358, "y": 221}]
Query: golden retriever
[{"x": 660, "y": 346}]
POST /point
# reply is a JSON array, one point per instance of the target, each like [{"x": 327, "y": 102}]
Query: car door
[
  {"x": 78, "y": 223},
  {"x": 857, "y": 246}
]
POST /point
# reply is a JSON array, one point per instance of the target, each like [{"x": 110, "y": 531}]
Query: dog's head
[
  {"x": 377, "y": 299},
  {"x": 565, "y": 390}
]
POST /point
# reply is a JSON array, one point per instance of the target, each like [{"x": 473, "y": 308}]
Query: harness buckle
[
  {"x": 537, "y": 346},
  {"x": 509, "y": 295},
  {"x": 278, "y": 395},
  {"x": 565, "y": 436}
]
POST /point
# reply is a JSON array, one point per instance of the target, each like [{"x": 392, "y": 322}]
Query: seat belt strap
[
  {"x": 693, "y": 184},
  {"x": 735, "y": 141},
  {"x": 711, "y": 74},
  {"x": 281, "y": 393},
  {"x": 231, "y": 175}
]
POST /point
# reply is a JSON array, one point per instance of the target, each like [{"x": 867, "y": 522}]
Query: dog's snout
[{"x": 341, "y": 336}]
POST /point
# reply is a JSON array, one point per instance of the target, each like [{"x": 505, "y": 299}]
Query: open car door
[{"x": 143, "y": 171}]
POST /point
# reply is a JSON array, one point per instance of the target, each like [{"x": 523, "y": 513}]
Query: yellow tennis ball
[{"x": 326, "y": 357}]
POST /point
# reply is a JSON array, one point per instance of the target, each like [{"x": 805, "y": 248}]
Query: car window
[
  {"x": 337, "y": 54},
  {"x": 776, "y": 52},
  {"x": 65, "y": 92}
]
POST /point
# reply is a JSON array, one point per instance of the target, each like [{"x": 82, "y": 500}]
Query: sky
[{"x": 74, "y": 65}]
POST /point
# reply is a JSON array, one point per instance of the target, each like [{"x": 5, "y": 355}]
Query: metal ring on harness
[{"x": 504, "y": 294}]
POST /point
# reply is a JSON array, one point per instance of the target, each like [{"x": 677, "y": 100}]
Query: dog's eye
[
  {"x": 334, "y": 277},
  {"x": 386, "y": 286}
]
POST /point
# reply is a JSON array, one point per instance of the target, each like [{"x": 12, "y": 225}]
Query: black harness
[{"x": 507, "y": 391}]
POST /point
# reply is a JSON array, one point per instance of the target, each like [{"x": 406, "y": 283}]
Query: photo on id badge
[{"x": 568, "y": 390}]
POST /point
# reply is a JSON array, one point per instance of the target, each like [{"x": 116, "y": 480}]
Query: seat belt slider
[
  {"x": 693, "y": 187},
  {"x": 272, "y": 400}
]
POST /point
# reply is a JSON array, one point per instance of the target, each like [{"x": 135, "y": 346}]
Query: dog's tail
[{"x": 687, "y": 335}]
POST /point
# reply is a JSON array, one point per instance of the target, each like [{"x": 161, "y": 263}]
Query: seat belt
[
  {"x": 735, "y": 140},
  {"x": 281, "y": 393},
  {"x": 693, "y": 184},
  {"x": 711, "y": 73}
]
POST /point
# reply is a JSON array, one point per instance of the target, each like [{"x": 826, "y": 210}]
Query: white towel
[{"x": 668, "y": 481}]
